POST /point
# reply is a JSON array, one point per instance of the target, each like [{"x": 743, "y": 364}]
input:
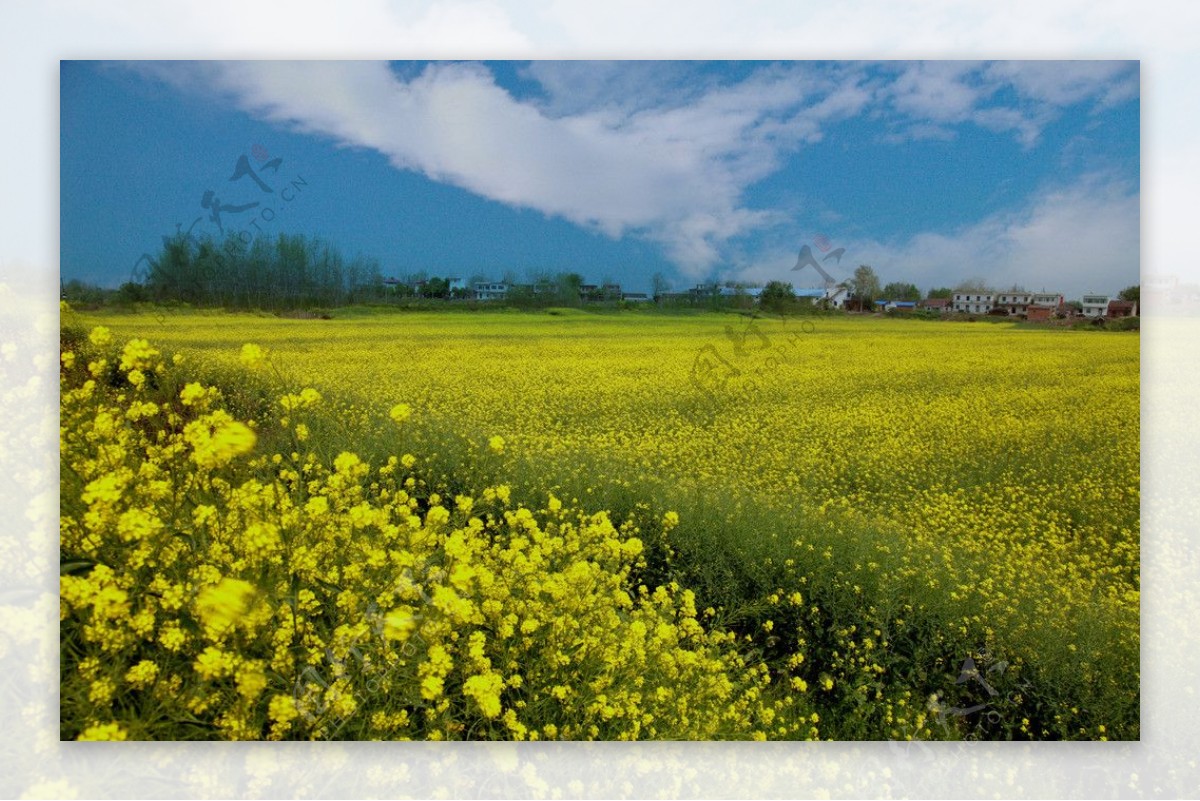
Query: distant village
[{"x": 970, "y": 299}]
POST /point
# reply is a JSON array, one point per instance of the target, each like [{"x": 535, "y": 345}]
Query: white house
[
  {"x": 1094, "y": 305},
  {"x": 974, "y": 302},
  {"x": 1049, "y": 299},
  {"x": 486, "y": 290},
  {"x": 835, "y": 297},
  {"x": 1014, "y": 302}
]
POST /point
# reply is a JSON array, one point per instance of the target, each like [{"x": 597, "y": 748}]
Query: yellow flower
[
  {"x": 431, "y": 687},
  {"x": 103, "y": 731},
  {"x": 213, "y": 663},
  {"x": 282, "y": 710},
  {"x": 496, "y": 444},
  {"x": 485, "y": 689},
  {"x": 191, "y": 393},
  {"x": 221, "y": 606},
  {"x": 399, "y": 624},
  {"x": 100, "y": 336},
  {"x": 142, "y": 674},
  {"x": 346, "y": 462},
  {"x": 251, "y": 681},
  {"x": 252, "y": 355},
  {"x": 400, "y": 412},
  {"x": 137, "y": 355},
  {"x": 217, "y": 438}
]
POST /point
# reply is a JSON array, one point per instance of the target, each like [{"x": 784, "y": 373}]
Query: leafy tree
[
  {"x": 568, "y": 286},
  {"x": 521, "y": 296},
  {"x": 132, "y": 292},
  {"x": 973, "y": 285},
  {"x": 898, "y": 290},
  {"x": 82, "y": 293},
  {"x": 941, "y": 292},
  {"x": 777, "y": 296},
  {"x": 1133, "y": 293},
  {"x": 660, "y": 285},
  {"x": 865, "y": 285},
  {"x": 289, "y": 272}
]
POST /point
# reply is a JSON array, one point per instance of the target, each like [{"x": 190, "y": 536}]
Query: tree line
[{"x": 288, "y": 272}]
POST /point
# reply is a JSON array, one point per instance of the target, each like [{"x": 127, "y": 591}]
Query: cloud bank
[
  {"x": 1072, "y": 238},
  {"x": 663, "y": 152}
]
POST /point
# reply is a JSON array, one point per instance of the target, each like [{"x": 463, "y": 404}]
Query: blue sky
[{"x": 932, "y": 172}]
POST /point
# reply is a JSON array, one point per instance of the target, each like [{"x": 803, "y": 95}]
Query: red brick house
[{"x": 1122, "y": 308}]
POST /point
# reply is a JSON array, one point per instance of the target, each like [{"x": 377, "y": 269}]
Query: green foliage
[
  {"x": 973, "y": 285},
  {"x": 898, "y": 290},
  {"x": 83, "y": 294},
  {"x": 865, "y": 284},
  {"x": 291, "y": 272},
  {"x": 131, "y": 292},
  {"x": 777, "y": 296}
]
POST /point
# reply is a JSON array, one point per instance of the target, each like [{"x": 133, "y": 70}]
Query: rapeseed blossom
[
  {"x": 252, "y": 355},
  {"x": 993, "y": 507}
]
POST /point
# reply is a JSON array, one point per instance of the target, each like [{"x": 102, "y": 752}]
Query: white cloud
[
  {"x": 1062, "y": 83},
  {"x": 936, "y": 91},
  {"x": 673, "y": 172},
  {"x": 665, "y": 154},
  {"x": 1076, "y": 238},
  {"x": 931, "y": 96}
]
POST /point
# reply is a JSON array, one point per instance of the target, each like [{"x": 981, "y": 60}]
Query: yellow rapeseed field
[{"x": 573, "y": 525}]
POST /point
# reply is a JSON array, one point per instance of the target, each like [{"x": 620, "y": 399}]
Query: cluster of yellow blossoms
[
  {"x": 933, "y": 491},
  {"x": 215, "y": 587}
]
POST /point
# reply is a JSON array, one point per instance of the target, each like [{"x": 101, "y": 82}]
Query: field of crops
[{"x": 582, "y": 525}]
